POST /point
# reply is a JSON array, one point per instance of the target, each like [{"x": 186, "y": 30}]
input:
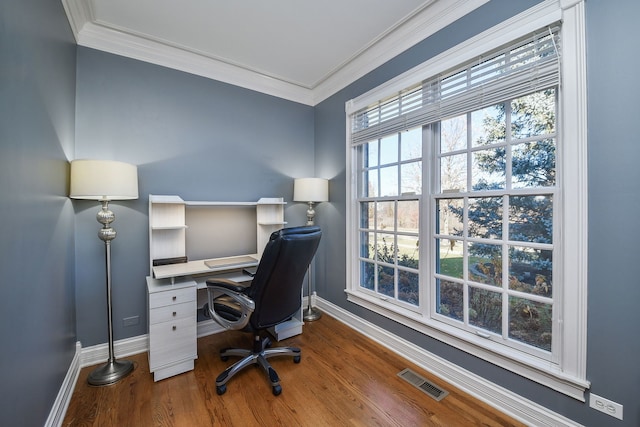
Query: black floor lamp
[{"x": 104, "y": 181}]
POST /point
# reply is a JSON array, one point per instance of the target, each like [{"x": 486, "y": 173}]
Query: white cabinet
[
  {"x": 184, "y": 252},
  {"x": 172, "y": 327}
]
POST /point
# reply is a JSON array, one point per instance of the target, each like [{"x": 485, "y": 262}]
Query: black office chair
[{"x": 273, "y": 297}]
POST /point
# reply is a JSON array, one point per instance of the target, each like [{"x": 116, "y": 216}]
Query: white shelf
[
  {"x": 271, "y": 201},
  {"x": 169, "y": 227},
  {"x": 154, "y": 198},
  {"x": 204, "y": 203}
]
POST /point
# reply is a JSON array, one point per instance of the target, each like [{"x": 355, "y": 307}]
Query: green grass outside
[{"x": 452, "y": 266}]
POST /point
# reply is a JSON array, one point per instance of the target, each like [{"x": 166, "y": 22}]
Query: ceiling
[{"x": 295, "y": 49}]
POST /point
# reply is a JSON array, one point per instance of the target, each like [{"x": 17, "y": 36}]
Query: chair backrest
[{"x": 277, "y": 286}]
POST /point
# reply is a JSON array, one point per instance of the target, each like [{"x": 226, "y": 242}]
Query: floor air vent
[{"x": 427, "y": 386}]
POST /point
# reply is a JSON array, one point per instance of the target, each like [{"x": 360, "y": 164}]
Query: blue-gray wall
[
  {"x": 37, "y": 307},
  {"x": 203, "y": 139},
  {"x": 614, "y": 199},
  {"x": 190, "y": 136}
]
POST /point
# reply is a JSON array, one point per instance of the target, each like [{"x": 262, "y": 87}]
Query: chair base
[{"x": 258, "y": 356}]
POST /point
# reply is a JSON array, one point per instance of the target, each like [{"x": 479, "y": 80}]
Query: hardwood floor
[{"x": 344, "y": 379}]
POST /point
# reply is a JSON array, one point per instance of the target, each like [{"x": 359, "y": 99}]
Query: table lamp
[
  {"x": 105, "y": 180},
  {"x": 310, "y": 190}
]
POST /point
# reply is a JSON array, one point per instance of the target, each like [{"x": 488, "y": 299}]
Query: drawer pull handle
[
  {"x": 174, "y": 328},
  {"x": 174, "y": 314},
  {"x": 175, "y": 298}
]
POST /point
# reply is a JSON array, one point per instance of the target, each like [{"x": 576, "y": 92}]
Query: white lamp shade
[
  {"x": 310, "y": 190},
  {"x": 103, "y": 180}
]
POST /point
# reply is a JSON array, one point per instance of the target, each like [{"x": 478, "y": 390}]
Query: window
[
  {"x": 493, "y": 207},
  {"x": 391, "y": 180},
  {"x": 459, "y": 224}
]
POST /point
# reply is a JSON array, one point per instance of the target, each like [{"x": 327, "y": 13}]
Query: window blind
[{"x": 523, "y": 66}]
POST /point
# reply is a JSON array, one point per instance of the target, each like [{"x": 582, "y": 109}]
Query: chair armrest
[
  {"x": 227, "y": 284},
  {"x": 232, "y": 290}
]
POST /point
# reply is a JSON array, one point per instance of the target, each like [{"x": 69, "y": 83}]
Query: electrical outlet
[
  {"x": 607, "y": 406},
  {"x": 131, "y": 321}
]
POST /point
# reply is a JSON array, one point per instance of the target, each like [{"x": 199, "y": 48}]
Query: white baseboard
[
  {"x": 87, "y": 357},
  {"x": 123, "y": 348},
  {"x": 98, "y": 354},
  {"x": 60, "y": 405},
  {"x": 498, "y": 397}
]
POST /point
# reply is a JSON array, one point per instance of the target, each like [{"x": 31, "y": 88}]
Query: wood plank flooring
[{"x": 344, "y": 379}]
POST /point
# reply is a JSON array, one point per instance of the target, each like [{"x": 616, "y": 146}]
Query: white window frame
[{"x": 567, "y": 374}]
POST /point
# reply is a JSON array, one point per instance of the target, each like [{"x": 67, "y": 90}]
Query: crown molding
[
  {"x": 79, "y": 12},
  {"x": 428, "y": 21},
  {"x": 110, "y": 40},
  {"x": 89, "y": 32}
]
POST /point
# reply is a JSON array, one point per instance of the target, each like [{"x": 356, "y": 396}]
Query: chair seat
[{"x": 227, "y": 307}]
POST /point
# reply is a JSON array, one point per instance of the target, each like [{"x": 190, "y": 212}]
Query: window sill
[{"x": 540, "y": 371}]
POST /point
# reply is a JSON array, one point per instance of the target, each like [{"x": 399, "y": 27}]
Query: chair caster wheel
[
  {"x": 277, "y": 390},
  {"x": 221, "y": 389},
  {"x": 296, "y": 359}
]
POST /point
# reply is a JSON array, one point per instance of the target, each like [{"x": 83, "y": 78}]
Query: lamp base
[
  {"x": 311, "y": 314},
  {"x": 110, "y": 373}
]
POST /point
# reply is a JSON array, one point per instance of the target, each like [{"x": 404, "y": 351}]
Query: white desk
[{"x": 172, "y": 289}]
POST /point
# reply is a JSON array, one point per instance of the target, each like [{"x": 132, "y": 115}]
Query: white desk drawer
[
  {"x": 171, "y": 296},
  {"x": 171, "y": 312},
  {"x": 170, "y": 342}
]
